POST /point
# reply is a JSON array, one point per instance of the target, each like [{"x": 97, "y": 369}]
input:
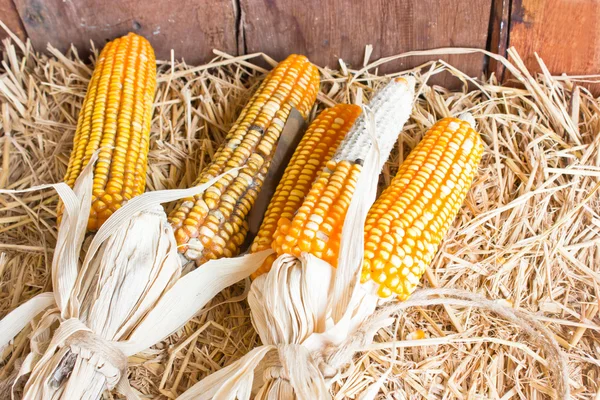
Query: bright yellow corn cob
[
  {"x": 406, "y": 224},
  {"x": 317, "y": 226},
  {"x": 204, "y": 224},
  {"x": 317, "y": 146},
  {"x": 115, "y": 118}
]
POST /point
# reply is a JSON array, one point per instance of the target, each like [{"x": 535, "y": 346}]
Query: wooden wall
[
  {"x": 10, "y": 17},
  {"x": 565, "y": 33}
]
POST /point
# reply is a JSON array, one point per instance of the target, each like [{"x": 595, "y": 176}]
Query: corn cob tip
[
  {"x": 407, "y": 83},
  {"x": 298, "y": 57},
  {"x": 468, "y": 117},
  {"x": 407, "y": 80},
  {"x": 391, "y": 107},
  {"x": 132, "y": 34}
]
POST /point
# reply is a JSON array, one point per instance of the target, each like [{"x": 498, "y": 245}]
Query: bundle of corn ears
[
  {"x": 123, "y": 293},
  {"x": 342, "y": 264},
  {"x": 304, "y": 305},
  {"x": 124, "y": 297}
]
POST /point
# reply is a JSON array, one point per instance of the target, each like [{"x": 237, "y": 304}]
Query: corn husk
[{"x": 124, "y": 297}]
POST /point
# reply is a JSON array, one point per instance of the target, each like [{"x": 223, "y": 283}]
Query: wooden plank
[
  {"x": 328, "y": 30},
  {"x": 564, "y": 33},
  {"x": 10, "y": 17},
  {"x": 191, "y": 27},
  {"x": 498, "y": 35}
]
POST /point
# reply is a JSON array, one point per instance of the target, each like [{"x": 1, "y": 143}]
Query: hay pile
[{"x": 528, "y": 235}]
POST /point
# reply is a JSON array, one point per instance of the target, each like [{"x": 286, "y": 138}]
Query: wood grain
[
  {"x": 191, "y": 27},
  {"x": 328, "y": 30},
  {"x": 564, "y": 33},
  {"x": 10, "y": 17}
]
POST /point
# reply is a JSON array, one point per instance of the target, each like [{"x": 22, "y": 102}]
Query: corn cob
[
  {"x": 115, "y": 118},
  {"x": 204, "y": 224},
  {"x": 406, "y": 224},
  {"x": 316, "y": 228},
  {"x": 317, "y": 146}
]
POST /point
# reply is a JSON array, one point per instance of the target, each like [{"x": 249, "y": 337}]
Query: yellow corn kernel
[{"x": 418, "y": 334}]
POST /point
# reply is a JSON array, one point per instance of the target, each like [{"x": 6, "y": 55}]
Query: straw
[{"x": 528, "y": 235}]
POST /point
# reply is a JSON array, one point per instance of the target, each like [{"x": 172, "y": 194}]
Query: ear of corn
[
  {"x": 316, "y": 228},
  {"x": 317, "y": 146},
  {"x": 205, "y": 224},
  {"x": 406, "y": 224},
  {"x": 115, "y": 118}
]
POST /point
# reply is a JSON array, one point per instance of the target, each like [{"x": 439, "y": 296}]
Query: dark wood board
[
  {"x": 328, "y": 30},
  {"x": 498, "y": 35},
  {"x": 191, "y": 27},
  {"x": 564, "y": 33},
  {"x": 10, "y": 17}
]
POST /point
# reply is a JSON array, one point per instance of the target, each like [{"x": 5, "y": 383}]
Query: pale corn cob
[
  {"x": 204, "y": 224},
  {"x": 317, "y": 146},
  {"x": 115, "y": 118},
  {"x": 316, "y": 228},
  {"x": 406, "y": 224}
]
